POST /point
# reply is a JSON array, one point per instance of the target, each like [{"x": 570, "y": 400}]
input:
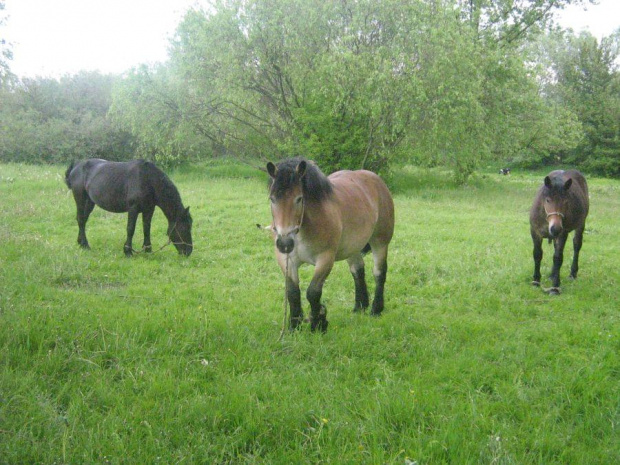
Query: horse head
[
  {"x": 180, "y": 232},
  {"x": 286, "y": 196},
  {"x": 555, "y": 199}
]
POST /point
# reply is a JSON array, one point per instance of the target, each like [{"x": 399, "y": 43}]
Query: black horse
[
  {"x": 134, "y": 187},
  {"x": 561, "y": 206}
]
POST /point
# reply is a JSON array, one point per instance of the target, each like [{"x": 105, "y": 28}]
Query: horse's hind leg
[
  {"x": 577, "y": 242},
  {"x": 85, "y": 207},
  {"x": 380, "y": 268},
  {"x": 356, "y": 266},
  {"x": 132, "y": 218}
]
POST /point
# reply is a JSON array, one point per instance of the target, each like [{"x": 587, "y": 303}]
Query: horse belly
[{"x": 112, "y": 199}]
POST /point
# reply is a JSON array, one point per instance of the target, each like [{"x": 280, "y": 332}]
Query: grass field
[{"x": 165, "y": 359}]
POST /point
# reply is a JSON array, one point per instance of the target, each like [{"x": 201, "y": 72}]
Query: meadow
[{"x": 165, "y": 359}]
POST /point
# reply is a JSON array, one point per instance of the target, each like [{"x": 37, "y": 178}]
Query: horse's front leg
[
  {"x": 293, "y": 294},
  {"x": 132, "y": 218},
  {"x": 558, "y": 259},
  {"x": 318, "y": 312},
  {"x": 147, "y": 216},
  {"x": 577, "y": 242},
  {"x": 538, "y": 255}
]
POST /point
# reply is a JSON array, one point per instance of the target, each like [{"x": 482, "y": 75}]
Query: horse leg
[
  {"x": 132, "y": 218},
  {"x": 356, "y": 266},
  {"x": 577, "y": 242},
  {"x": 558, "y": 259},
  {"x": 293, "y": 294},
  {"x": 380, "y": 272},
  {"x": 318, "y": 312},
  {"x": 85, "y": 207},
  {"x": 538, "y": 255},
  {"x": 147, "y": 216}
]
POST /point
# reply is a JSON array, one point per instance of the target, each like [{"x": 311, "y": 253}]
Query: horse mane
[
  {"x": 315, "y": 186},
  {"x": 166, "y": 192}
]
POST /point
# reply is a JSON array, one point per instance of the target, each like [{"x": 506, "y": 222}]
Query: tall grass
[{"x": 163, "y": 359}]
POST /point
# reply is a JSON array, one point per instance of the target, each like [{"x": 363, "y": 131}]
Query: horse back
[
  {"x": 113, "y": 186},
  {"x": 365, "y": 203}
]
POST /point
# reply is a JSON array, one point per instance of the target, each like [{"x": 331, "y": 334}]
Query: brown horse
[
  {"x": 561, "y": 206},
  {"x": 320, "y": 220}
]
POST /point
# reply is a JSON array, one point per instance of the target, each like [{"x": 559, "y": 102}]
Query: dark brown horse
[
  {"x": 320, "y": 220},
  {"x": 134, "y": 187},
  {"x": 561, "y": 206}
]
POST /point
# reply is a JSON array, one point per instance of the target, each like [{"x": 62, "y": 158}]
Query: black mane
[{"x": 314, "y": 184}]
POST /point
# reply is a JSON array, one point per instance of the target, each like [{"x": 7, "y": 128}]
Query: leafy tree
[
  {"x": 583, "y": 78},
  {"x": 6, "y": 54},
  {"x": 45, "y": 120}
]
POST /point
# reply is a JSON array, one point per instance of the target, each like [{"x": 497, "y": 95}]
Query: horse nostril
[{"x": 285, "y": 244}]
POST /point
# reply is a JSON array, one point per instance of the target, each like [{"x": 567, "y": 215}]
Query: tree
[
  {"x": 46, "y": 120},
  {"x": 583, "y": 77},
  {"x": 6, "y": 54}
]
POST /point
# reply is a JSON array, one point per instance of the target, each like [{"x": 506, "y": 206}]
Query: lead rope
[
  {"x": 137, "y": 252},
  {"x": 285, "y": 302}
]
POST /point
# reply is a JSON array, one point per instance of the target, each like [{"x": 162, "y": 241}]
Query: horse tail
[
  {"x": 67, "y": 173},
  {"x": 366, "y": 249}
]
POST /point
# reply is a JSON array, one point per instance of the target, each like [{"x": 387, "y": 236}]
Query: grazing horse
[
  {"x": 561, "y": 206},
  {"x": 134, "y": 187},
  {"x": 320, "y": 220}
]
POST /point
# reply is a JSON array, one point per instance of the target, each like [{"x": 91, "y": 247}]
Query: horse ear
[
  {"x": 567, "y": 184},
  {"x": 301, "y": 168},
  {"x": 272, "y": 169},
  {"x": 187, "y": 210},
  {"x": 548, "y": 181}
]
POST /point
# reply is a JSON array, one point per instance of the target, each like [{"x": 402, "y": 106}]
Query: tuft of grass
[{"x": 161, "y": 358}]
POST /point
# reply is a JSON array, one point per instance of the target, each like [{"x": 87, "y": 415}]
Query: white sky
[
  {"x": 600, "y": 20},
  {"x": 57, "y": 37}
]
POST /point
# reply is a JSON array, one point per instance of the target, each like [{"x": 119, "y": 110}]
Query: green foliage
[
  {"x": 586, "y": 82},
  {"x": 162, "y": 359},
  {"x": 50, "y": 121},
  {"x": 349, "y": 84}
]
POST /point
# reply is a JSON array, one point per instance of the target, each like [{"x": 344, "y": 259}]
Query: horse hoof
[
  {"x": 295, "y": 323},
  {"x": 320, "y": 323},
  {"x": 536, "y": 283},
  {"x": 553, "y": 291}
]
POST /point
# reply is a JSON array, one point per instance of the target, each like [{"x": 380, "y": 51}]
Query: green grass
[{"x": 163, "y": 359}]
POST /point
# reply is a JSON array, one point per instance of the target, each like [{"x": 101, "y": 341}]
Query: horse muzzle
[
  {"x": 285, "y": 244},
  {"x": 555, "y": 229},
  {"x": 185, "y": 249}
]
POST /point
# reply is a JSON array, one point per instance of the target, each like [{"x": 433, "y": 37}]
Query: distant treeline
[{"x": 349, "y": 84}]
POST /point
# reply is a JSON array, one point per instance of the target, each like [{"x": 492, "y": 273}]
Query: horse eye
[{"x": 298, "y": 199}]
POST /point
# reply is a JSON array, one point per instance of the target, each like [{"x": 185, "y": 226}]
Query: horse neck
[{"x": 167, "y": 198}]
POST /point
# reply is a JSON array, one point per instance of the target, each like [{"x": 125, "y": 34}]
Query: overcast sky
[{"x": 56, "y": 37}]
